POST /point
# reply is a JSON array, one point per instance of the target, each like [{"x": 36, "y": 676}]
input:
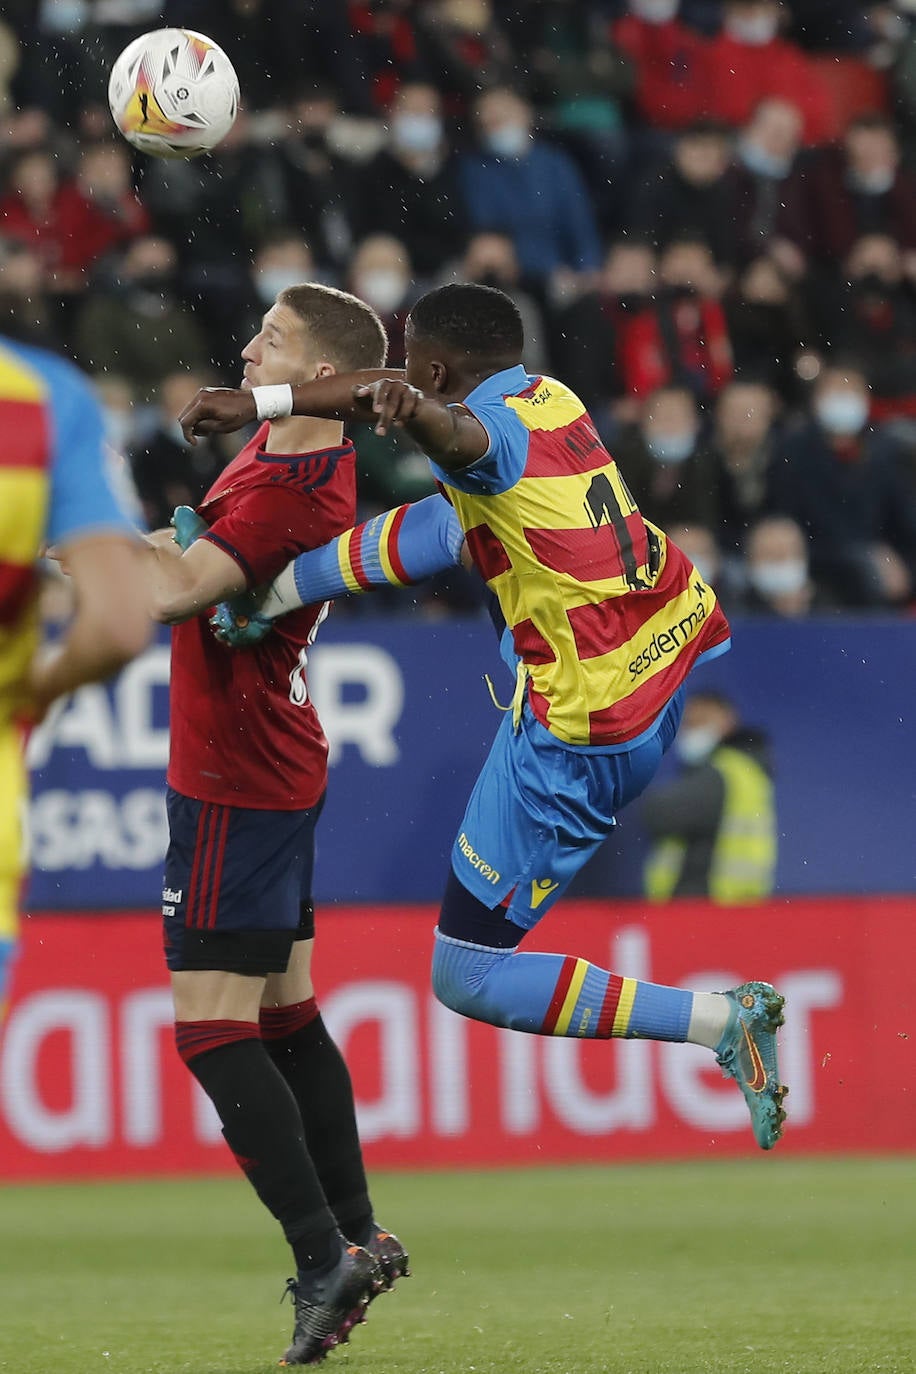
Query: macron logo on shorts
[
  {"x": 474, "y": 859},
  {"x": 541, "y": 888}
]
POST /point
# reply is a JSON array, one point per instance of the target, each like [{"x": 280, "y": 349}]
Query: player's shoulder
[{"x": 55, "y": 376}]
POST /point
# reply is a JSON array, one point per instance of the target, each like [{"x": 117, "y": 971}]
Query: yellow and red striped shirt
[{"x": 606, "y": 613}]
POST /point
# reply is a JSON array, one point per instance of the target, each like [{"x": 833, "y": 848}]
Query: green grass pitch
[{"x": 744, "y": 1267}]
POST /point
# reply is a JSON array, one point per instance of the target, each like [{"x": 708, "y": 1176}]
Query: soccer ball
[{"x": 173, "y": 93}]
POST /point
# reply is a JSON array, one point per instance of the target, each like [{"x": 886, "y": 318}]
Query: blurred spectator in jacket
[
  {"x": 768, "y": 325},
  {"x": 838, "y": 194},
  {"x": 669, "y": 62},
  {"x": 311, "y": 186},
  {"x": 750, "y": 61},
  {"x": 844, "y": 483},
  {"x": 167, "y": 471},
  {"x": 765, "y": 155},
  {"x": 701, "y": 546},
  {"x": 71, "y": 222},
  {"x": 27, "y": 312},
  {"x": 532, "y": 191},
  {"x": 137, "y": 325},
  {"x": 666, "y": 464},
  {"x": 714, "y": 826},
  {"x": 461, "y": 42},
  {"x": 589, "y": 331},
  {"x": 777, "y": 571},
  {"x": 873, "y": 309},
  {"x": 742, "y": 448},
  {"x": 410, "y": 188},
  {"x": 691, "y": 196},
  {"x": 490, "y": 259},
  {"x": 681, "y": 336}
]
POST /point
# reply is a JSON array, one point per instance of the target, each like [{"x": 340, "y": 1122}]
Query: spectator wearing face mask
[
  {"x": 666, "y": 464},
  {"x": 765, "y": 154},
  {"x": 136, "y": 323},
  {"x": 749, "y": 61},
  {"x": 668, "y": 60},
  {"x": 589, "y": 331},
  {"x": 777, "y": 572},
  {"x": 167, "y": 471},
  {"x": 532, "y": 191},
  {"x": 381, "y": 274},
  {"x": 769, "y": 325},
  {"x": 873, "y": 309},
  {"x": 283, "y": 258},
  {"x": 713, "y": 827},
  {"x": 742, "y": 450},
  {"x": 844, "y": 482},
  {"x": 308, "y": 184},
  {"x": 681, "y": 335},
  {"x": 409, "y": 189},
  {"x": 701, "y": 546},
  {"x": 838, "y": 194}
]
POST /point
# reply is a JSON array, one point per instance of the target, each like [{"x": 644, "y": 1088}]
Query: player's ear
[
  {"x": 325, "y": 370},
  {"x": 439, "y": 374}
]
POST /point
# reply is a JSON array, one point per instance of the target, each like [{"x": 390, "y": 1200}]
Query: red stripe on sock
[
  {"x": 559, "y": 995},
  {"x": 279, "y": 1022},
  {"x": 197, "y": 1037},
  {"x": 222, "y": 830},
  {"x": 397, "y": 566},
  {"x": 609, "y": 1008},
  {"x": 355, "y": 551}
]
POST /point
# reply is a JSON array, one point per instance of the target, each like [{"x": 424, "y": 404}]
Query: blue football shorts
[
  {"x": 237, "y": 886},
  {"x": 540, "y": 809}
]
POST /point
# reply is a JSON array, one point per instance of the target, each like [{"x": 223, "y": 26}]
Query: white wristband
[{"x": 273, "y": 402}]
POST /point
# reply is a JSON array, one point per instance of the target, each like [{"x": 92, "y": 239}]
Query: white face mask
[
  {"x": 672, "y": 448},
  {"x": 416, "y": 133},
  {"x": 876, "y": 183},
  {"x": 753, "y": 30},
  {"x": 270, "y": 281},
  {"x": 655, "y": 11},
  {"x": 780, "y": 577},
  {"x": 381, "y": 288},
  {"x": 694, "y": 743},
  {"x": 509, "y": 140},
  {"x": 842, "y": 412}
]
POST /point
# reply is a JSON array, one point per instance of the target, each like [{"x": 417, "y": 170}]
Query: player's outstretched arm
[
  {"x": 449, "y": 434},
  {"x": 400, "y": 548},
  {"x": 110, "y": 625}
]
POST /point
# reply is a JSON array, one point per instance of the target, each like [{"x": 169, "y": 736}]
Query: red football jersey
[{"x": 244, "y": 731}]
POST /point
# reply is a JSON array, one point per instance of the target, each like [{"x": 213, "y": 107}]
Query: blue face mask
[
  {"x": 842, "y": 412},
  {"x": 508, "y": 141},
  {"x": 762, "y": 163},
  {"x": 675, "y": 447},
  {"x": 416, "y": 133}
]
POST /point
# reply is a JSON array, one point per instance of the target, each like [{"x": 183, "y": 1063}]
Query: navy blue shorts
[{"x": 237, "y": 888}]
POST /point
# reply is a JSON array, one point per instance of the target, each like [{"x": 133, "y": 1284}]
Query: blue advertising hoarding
[{"x": 410, "y": 719}]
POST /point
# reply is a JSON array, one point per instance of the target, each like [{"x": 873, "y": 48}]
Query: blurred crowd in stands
[{"x": 705, "y": 210}]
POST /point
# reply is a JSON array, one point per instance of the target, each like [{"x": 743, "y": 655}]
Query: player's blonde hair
[{"x": 346, "y": 331}]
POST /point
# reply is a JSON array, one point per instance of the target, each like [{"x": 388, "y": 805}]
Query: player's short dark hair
[
  {"x": 481, "y": 322},
  {"x": 348, "y": 332}
]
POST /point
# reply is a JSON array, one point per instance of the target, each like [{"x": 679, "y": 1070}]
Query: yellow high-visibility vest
[{"x": 743, "y": 864}]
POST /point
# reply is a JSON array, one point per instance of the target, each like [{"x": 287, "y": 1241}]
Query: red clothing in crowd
[
  {"x": 76, "y": 230},
  {"x": 687, "y": 344},
  {"x": 740, "y": 75},
  {"x": 669, "y": 62}
]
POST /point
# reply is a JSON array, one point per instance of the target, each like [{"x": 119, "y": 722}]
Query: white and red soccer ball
[{"x": 173, "y": 93}]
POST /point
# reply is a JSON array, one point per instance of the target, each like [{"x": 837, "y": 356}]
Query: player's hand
[
  {"x": 217, "y": 410},
  {"x": 392, "y": 400},
  {"x": 187, "y": 525},
  {"x": 238, "y": 623}
]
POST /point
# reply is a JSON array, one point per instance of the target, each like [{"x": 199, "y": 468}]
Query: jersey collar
[{"x": 509, "y": 382}]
